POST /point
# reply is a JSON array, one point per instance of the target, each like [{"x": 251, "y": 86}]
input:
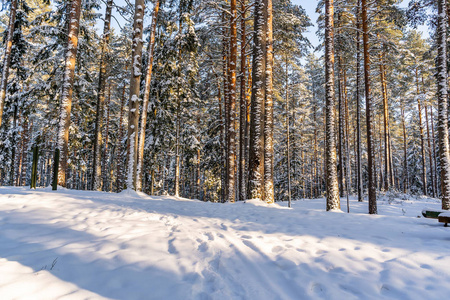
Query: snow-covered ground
[{"x": 91, "y": 245}]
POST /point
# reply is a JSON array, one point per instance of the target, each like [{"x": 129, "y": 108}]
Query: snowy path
[{"x": 91, "y": 245}]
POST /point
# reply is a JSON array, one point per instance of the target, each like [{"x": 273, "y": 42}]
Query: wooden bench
[
  {"x": 444, "y": 218},
  {"x": 431, "y": 214},
  {"x": 442, "y": 215}
]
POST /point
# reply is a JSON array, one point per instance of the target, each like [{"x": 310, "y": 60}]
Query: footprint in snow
[
  {"x": 277, "y": 249},
  {"x": 319, "y": 290}
]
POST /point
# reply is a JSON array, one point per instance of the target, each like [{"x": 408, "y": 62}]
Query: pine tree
[
  {"x": 333, "y": 202},
  {"x": 66, "y": 97}
]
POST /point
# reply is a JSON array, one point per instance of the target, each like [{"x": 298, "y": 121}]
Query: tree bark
[
  {"x": 256, "y": 150},
  {"x": 422, "y": 137},
  {"x": 405, "y": 152},
  {"x": 231, "y": 136},
  {"x": 148, "y": 79},
  {"x": 135, "y": 80},
  {"x": 243, "y": 110},
  {"x": 66, "y": 101},
  {"x": 97, "y": 167},
  {"x": 7, "y": 57},
  {"x": 358, "y": 105},
  {"x": 370, "y": 147},
  {"x": 442, "y": 83},
  {"x": 268, "y": 111},
  {"x": 333, "y": 201},
  {"x": 120, "y": 158}
]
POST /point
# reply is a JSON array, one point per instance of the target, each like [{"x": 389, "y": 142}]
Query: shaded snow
[{"x": 77, "y": 245}]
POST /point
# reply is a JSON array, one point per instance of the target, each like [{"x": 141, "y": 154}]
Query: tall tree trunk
[
  {"x": 177, "y": 150},
  {"x": 405, "y": 152},
  {"x": 148, "y": 79},
  {"x": 97, "y": 167},
  {"x": 387, "y": 170},
  {"x": 66, "y": 101},
  {"x": 133, "y": 102},
  {"x": 243, "y": 110},
  {"x": 120, "y": 151},
  {"x": 231, "y": 136},
  {"x": 25, "y": 139},
  {"x": 106, "y": 158},
  {"x": 434, "y": 152},
  {"x": 358, "y": 105},
  {"x": 340, "y": 128},
  {"x": 268, "y": 111},
  {"x": 441, "y": 67},
  {"x": 430, "y": 154},
  {"x": 256, "y": 151},
  {"x": 370, "y": 146},
  {"x": 13, "y": 146},
  {"x": 7, "y": 57},
  {"x": 333, "y": 201},
  {"x": 288, "y": 142},
  {"x": 422, "y": 137}
]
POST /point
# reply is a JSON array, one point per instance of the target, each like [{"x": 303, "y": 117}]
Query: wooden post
[
  {"x": 34, "y": 167},
  {"x": 55, "y": 170}
]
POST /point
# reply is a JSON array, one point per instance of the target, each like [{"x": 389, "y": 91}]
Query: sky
[{"x": 310, "y": 8}]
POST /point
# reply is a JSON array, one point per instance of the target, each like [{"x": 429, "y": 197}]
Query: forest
[{"x": 225, "y": 100}]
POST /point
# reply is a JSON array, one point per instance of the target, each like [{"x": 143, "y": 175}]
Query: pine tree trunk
[
  {"x": 145, "y": 104},
  {"x": 231, "y": 107},
  {"x": 430, "y": 154},
  {"x": 340, "y": 129},
  {"x": 106, "y": 154},
  {"x": 422, "y": 137},
  {"x": 333, "y": 201},
  {"x": 66, "y": 101},
  {"x": 25, "y": 139},
  {"x": 243, "y": 110},
  {"x": 370, "y": 146},
  {"x": 405, "y": 152},
  {"x": 387, "y": 171},
  {"x": 288, "y": 150},
  {"x": 120, "y": 151},
  {"x": 177, "y": 150},
  {"x": 358, "y": 106},
  {"x": 96, "y": 168},
  {"x": 133, "y": 102},
  {"x": 268, "y": 111},
  {"x": 434, "y": 152},
  {"x": 12, "y": 173},
  {"x": 441, "y": 67},
  {"x": 256, "y": 150},
  {"x": 7, "y": 57}
]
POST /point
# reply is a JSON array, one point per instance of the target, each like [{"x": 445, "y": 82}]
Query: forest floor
[{"x": 93, "y": 245}]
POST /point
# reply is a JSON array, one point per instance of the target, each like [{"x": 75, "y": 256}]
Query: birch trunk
[{"x": 66, "y": 101}]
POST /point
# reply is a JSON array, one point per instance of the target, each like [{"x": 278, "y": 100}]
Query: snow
[{"x": 77, "y": 245}]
